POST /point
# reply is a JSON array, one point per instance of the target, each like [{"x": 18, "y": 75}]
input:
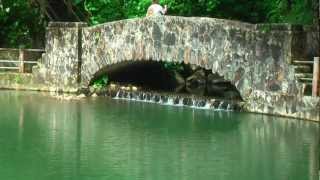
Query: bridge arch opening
[{"x": 170, "y": 77}]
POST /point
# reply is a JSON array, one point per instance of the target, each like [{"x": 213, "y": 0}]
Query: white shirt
[{"x": 155, "y": 10}]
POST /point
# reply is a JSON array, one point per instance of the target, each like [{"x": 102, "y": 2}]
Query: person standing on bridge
[{"x": 156, "y": 9}]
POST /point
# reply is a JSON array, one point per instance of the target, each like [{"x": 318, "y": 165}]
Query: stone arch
[
  {"x": 155, "y": 76},
  {"x": 220, "y": 45}
]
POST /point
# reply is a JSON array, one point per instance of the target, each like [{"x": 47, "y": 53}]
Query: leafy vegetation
[
  {"x": 172, "y": 66},
  {"x": 101, "y": 82},
  {"x": 291, "y": 11},
  {"x": 23, "y": 22}
]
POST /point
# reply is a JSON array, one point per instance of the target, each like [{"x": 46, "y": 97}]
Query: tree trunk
[{"x": 59, "y": 10}]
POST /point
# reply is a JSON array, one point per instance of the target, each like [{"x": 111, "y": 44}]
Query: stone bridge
[
  {"x": 256, "y": 58},
  {"x": 250, "y": 56}
]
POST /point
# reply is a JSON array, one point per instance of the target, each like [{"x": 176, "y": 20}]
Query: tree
[
  {"x": 22, "y": 21},
  {"x": 21, "y": 24}
]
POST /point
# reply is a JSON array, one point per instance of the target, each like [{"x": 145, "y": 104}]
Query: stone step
[
  {"x": 299, "y": 62},
  {"x": 301, "y": 58},
  {"x": 305, "y": 80},
  {"x": 303, "y": 69},
  {"x": 303, "y": 75}
]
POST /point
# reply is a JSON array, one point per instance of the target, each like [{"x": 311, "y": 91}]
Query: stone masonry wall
[
  {"x": 255, "y": 58},
  {"x": 62, "y": 60}
]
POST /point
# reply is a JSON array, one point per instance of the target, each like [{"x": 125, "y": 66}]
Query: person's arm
[{"x": 164, "y": 11}]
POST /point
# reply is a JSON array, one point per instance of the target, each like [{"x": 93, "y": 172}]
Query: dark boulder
[{"x": 196, "y": 83}]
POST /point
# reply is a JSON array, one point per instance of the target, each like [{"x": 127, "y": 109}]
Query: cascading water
[
  {"x": 173, "y": 100},
  {"x": 170, "y": 101},
  {"x": 220, "y": 105},
  {"x": 117, "y": 95},
  {"x": 180, "y": 102}
]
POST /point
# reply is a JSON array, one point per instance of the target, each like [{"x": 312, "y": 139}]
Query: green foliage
[
  {"x": 103, "y": 10},
  {"x": 298, "y": 12},
  {"x": 101, "y": 82},
  {"x": 18, "y": 79},
  {"x": 22, "y": 23},
  {"x": 173, "y": 66},
  {"x": 262, "y": 11}
]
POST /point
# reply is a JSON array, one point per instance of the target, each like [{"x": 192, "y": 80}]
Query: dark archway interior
[{"x": 170, "y": 77}]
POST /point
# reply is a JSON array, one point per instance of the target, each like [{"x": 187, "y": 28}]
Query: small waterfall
[
  {"x": 170, "y": 101},
  {"x": 194, "y": 103},
  {"x": 175, "y": 100},
  {"x": 144, "y": 97},
  {"x": 134, "y": 96},
  {"x": 155, "y": 98},
  {"x": 180, "y": 102},
  {"x": 160, "y": 101},
  {"x": 229, "y": 108},
  {"x": 117, "y": 95},
  {"x": 208, "y": 105},
  {"x": 220, "y": 106}
]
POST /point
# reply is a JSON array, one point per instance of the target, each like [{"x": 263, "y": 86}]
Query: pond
[{"x": 100, "y": 138}]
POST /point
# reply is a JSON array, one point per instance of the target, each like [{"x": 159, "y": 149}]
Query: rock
[
  {"x": 156, "y": 98},
  {"x": 232, "y": 95},
  {"x": 113, "y": 86},
  {"x": 178, "y": 81},
  {"x": 148, "y": 96},
  {"x": 68, "y": 98},
  {"x": 176, "y": 100},
  {"x": 196, "y": 83},
  {"x": 81, "y": 96},
  {"x": 164, "y": 98},
  {"x": 85, "y": 91},
  {"x": 201, "y": 103},
  {"x": 91, "y": 90},
  {"x": 224, "y": 105},
  {"x": 141, "y": 97},
  {"x": 218, "y": 87},
  {"x": 216, "y": 104},
  {"x": 187, "y": 101},
  {"x": 94, "y": 95}
]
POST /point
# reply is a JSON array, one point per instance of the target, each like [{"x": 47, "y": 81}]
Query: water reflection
[{"x": 110, "y": 139}]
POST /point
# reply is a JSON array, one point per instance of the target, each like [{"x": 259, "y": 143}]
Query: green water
[{"x": 42, "y": 138}]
